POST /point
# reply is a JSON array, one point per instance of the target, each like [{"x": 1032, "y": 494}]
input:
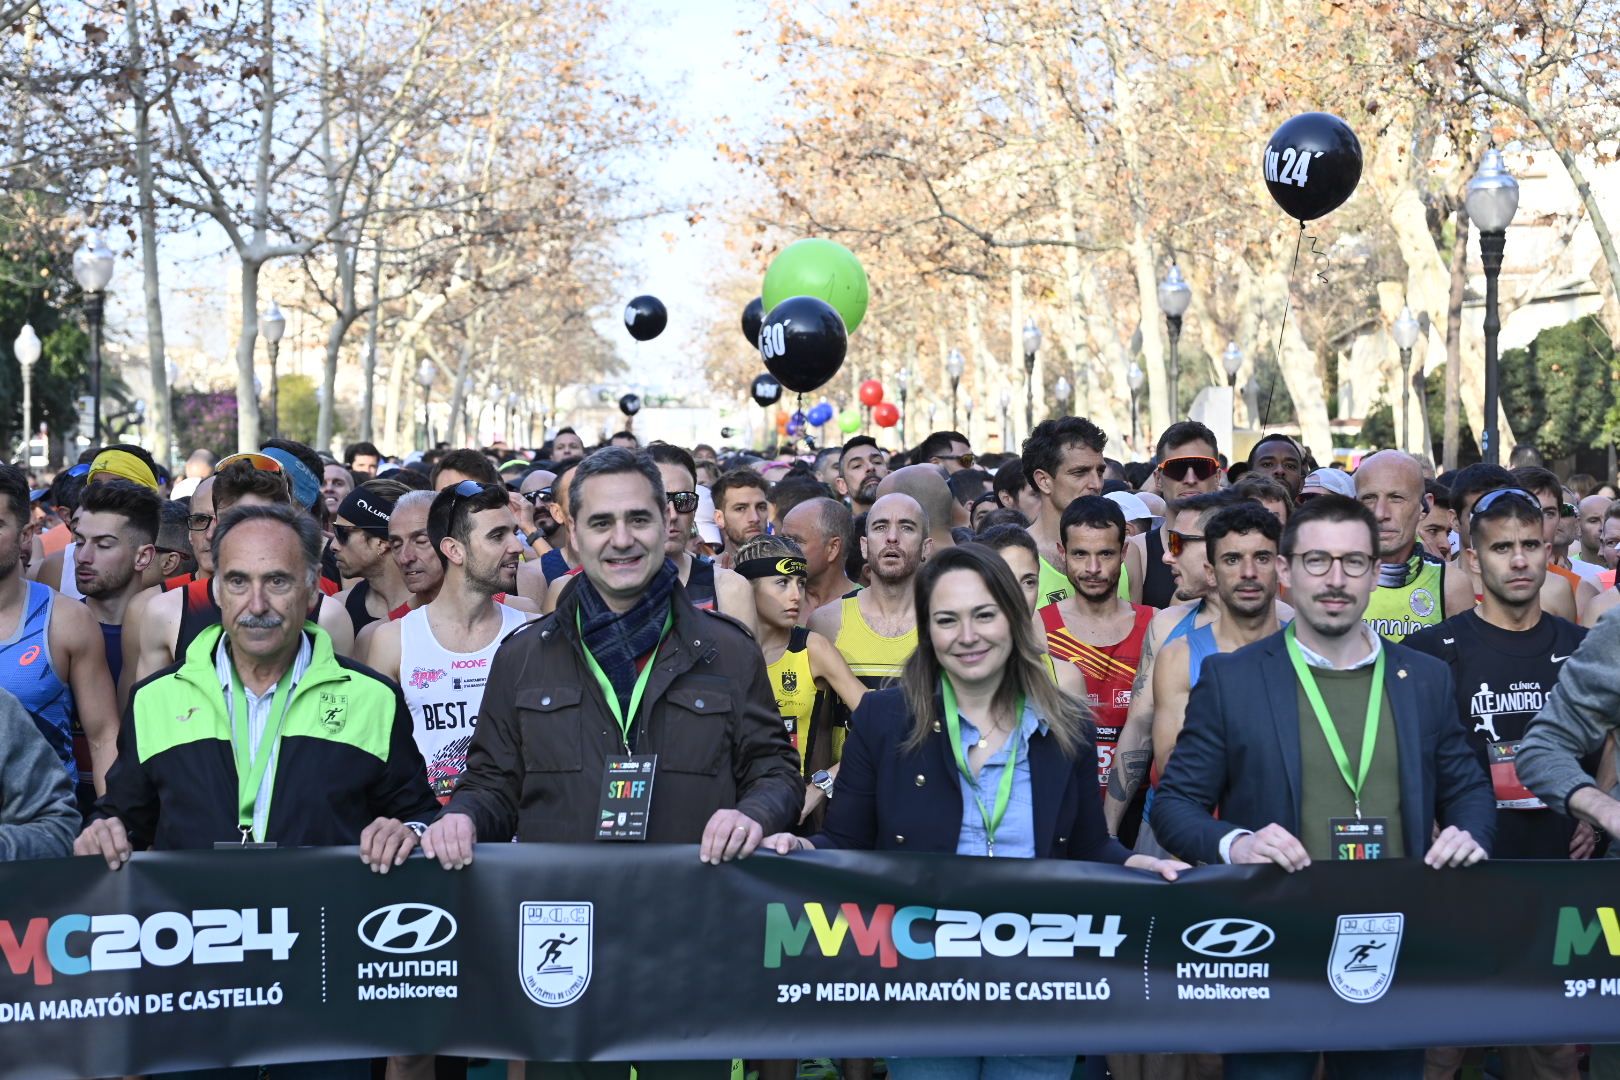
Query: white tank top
[
  {"x": 70, "y": 572},
  {"x": 443, "y": 690}
]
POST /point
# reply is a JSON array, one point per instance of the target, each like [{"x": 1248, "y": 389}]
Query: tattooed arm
[{"x": 1134, "y": 752}]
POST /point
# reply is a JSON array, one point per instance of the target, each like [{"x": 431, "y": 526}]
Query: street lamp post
[
  {"x": 1406, "y": 331},
  {"x": 1006, "y": 417},
  {"x": 93, "y": 267},
  {"x": 1061, "y": 391},
  {"x": 1174, "y": 296},
  {"x": 1133, "y": 379},
  {"x": 903, "y": 381},
  {"x": 27, "y": 349},
  {"x": 425, "y": 374},
  {"x": 1231, "y": 360},
  {"x": 955, "y": 364},
  {"x": 1032, "y": 344},
  {"x": 1492, "y": 200},
  {"x": 272, "y": 324},
  {"x": 511, "y": 416}
]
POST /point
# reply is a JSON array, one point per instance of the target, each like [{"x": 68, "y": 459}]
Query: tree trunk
[
  {"x": 1161, "y": 410},
  {"x": 247, "y": 397},
  {"x": 1454, "y": 307},
  {"x": 157, "y": 360},
  {"x": 368, "y": 393}
]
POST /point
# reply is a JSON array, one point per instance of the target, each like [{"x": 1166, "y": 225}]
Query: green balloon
[
  {"x": 849, "y": 421},
  {"x": 822, "y": 269}
]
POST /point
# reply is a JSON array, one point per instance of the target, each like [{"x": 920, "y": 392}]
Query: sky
[{"x": 689, "y": 55}]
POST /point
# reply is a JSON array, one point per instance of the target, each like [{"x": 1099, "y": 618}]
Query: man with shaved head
[
  {"x": 821, "y": 528},
  {"x": 1410, "y": 592},
  {"x": 876, "y": 628},
  {"x": 929, "y": 486}
]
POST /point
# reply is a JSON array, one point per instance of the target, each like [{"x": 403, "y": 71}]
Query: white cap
[
  {"x": 706, "y": 527},
  {"x": 1331, "y": 481},
  {"x": 1133, "y": 507}
]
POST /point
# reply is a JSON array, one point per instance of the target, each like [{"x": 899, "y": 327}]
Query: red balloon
[
  {"x": 886, "y": 414},
  {"x": 871, "y": 393}
]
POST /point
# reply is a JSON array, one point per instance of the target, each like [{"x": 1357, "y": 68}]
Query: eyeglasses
[
  {"x": 964, "y": 460},
  {"x": 684, "y": 502},
  {"x": 1179, "y": 541},
  {"x": 258, "y": 461},
  {"x": 538, "y": 496},
  {"x": 1491, "y": 498},
  {"x": 342, "y": 533},
  {"x": 1318, "y": 563},
  {"x": 1200, "y": 466},
  {"x": 1567, "y": 510},
  {"x": 198, "y": 522}
]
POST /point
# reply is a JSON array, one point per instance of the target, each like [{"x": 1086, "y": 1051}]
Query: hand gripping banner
[{"x": 628, "y": 952}]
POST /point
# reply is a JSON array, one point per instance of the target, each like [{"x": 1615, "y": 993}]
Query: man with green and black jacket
[{"x": 261, "y": 733}]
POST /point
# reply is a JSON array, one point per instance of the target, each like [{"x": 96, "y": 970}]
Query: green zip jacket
[{"x": 346, "y": 757}]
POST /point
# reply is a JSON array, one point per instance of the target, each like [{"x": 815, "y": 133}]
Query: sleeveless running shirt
[
  {"x": 1396, "y": 611},
  {"x": 443, "y": 690},
  {"x": 26, "y": 670},
  {"x": 1158, "y": 584},
  {"x": 1109, "y": 670},
  {"x": 700, "y": 584},
  {"x": 876, "y": 660},
  {"x": 794, "y": 685}
]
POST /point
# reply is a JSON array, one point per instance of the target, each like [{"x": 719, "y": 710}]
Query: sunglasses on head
[
  {"x": 1200, "y": 466},
  {"x": 1567, "y": 510},
  {"x": 684, "y": 502},
  {"x": 964, "y": 460},
  {"x": 258, "y": 461},
  {"x": 1178, "y": 541},
  {"x": 79, "y": 470},
  {"x": 469, "y": 489},
  {"x": 1491, "y": 498}
]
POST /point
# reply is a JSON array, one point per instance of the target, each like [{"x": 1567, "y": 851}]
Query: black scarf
[{"x": 617, "y": 641}]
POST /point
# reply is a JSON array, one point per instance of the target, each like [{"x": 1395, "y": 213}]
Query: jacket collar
[{"x": 198, "y": 666}]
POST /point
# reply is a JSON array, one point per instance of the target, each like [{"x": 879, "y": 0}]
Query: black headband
[{"x": 787, "y": 566}]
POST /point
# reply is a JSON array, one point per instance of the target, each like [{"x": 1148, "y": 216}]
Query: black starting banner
[{"x": 613, "y": 952}]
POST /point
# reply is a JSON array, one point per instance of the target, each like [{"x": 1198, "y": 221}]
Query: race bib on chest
[
  {"x": 1511, "y": 794},
  {"x": 627, "y": 788}
]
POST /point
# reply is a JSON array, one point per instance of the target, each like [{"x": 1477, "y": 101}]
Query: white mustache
[{"x": 260, "y": 622}]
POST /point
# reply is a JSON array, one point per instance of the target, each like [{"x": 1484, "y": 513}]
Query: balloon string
[{"x": 1288, "y": 300}]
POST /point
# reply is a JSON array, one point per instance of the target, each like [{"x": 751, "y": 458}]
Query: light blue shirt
[{"x": 1015, "y": 837}]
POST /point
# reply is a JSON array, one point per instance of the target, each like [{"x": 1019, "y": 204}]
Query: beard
[
  {"x": 100, "y": 586},
  {"x": 492, "y": 577},
  {"x": 891, "y": 571}
]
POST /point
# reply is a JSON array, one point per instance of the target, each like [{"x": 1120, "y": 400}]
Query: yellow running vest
[
  {"x": 794, "y": 686},
  {"x": 876, "y": 660},
  {"x": 1394, "y": 612}
]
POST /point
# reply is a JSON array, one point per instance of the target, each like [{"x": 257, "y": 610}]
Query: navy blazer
[
  {"x": 1239, "y": 750},
  {"x": 890, "y": 799}
]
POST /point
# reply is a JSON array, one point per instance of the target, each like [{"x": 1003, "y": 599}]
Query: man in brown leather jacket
[{"x": 624, "y": 670}]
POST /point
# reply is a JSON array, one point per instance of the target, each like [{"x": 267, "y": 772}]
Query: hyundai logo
[
  {"x": 1228, "y": 939},
  {"x": 407, "y": 928}
]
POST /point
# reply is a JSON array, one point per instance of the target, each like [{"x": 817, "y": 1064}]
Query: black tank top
[
  {"x": 356, "y": 605},
  {"x": 200, "y": 610},
  {"x": 1158, "y": 584},
  {"x": 700, "y": 584}
]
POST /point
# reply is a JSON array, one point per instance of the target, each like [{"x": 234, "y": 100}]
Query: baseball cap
[
  {"x": 367, "y": 510},
  {"x": 1330, "y": 481},
  {"x": 1133, "y": 507},
  {"x": 306, "y": 486},
  {"x": 122, "y": 464}
]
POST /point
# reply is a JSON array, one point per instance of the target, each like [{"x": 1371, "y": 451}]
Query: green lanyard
[
  {"x": 953, "y": 724},
  {"x": 250, "y": 773},
  {"x": 1369, "y": 735},
  {"x": 612, "y": 695}
]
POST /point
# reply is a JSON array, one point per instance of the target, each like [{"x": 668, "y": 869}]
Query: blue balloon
[
  {"x": 795, "y": 425},
  {"x": 821, "y": 414}
]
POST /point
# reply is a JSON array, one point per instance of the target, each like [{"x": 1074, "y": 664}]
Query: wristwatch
[{"x": 823, "y": 780}]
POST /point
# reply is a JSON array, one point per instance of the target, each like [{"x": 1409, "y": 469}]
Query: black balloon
[
  {"x": 1312, "y": 164},
  {"x": 645, "y": 317},
  {"x": 753, "y": 316},
  {"x": 766, "y": 390},
  {"x": 803, "y": 343},
  {"x": 630, "y": 404}
]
